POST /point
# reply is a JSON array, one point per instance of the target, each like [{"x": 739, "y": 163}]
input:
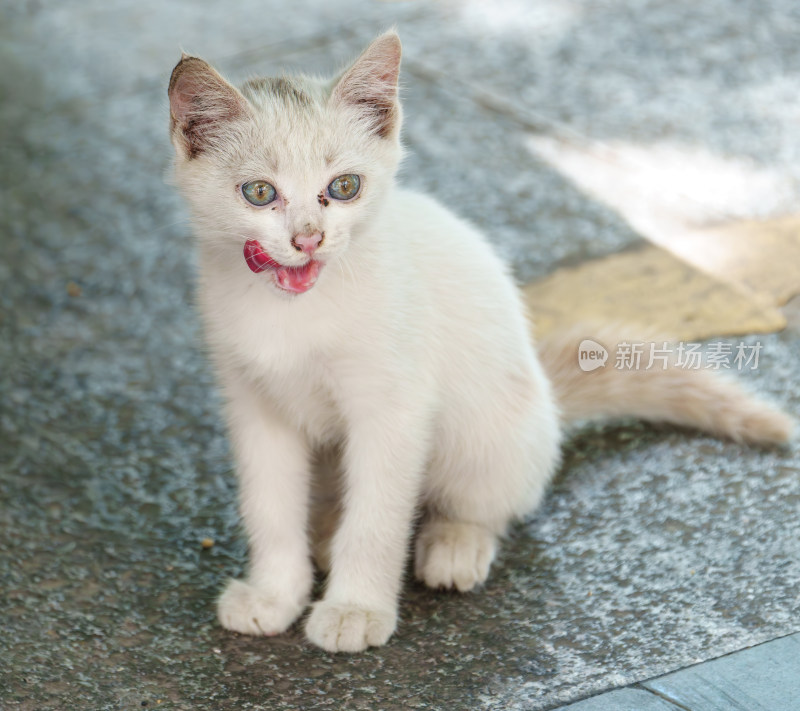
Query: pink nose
[{"x": 307, "y": 243}]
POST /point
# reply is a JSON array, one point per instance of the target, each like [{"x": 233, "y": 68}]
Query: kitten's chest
[
  {"x": 286, "y": 355},
  {"x": 297, "y": 383},
  {"x": 306, "y": 399}
]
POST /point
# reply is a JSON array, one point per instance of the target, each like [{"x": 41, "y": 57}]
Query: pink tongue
[
  {"x": 294, "y": 279},
  {"x": 256, "y": 258}
]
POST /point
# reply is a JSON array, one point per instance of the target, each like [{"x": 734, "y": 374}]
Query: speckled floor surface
[{"x": 656, "y": 548}]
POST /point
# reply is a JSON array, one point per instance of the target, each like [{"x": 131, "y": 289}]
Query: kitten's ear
[
  {"x": 371, "y": 84},
  {"x": 201, "y": 103}
]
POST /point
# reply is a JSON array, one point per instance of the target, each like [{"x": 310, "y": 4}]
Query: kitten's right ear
[{"x": 201, "y": 104}]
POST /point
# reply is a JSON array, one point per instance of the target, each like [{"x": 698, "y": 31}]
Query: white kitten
[{"x": 376, "y": 327}]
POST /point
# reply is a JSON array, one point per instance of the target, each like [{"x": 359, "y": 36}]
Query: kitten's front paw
[
  {"x": 454, "y": 555},
  {"x": 250, "y": 610},
  {"x": 347, "y": 628}
]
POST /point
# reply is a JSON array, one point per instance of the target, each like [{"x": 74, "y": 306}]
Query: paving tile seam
[
  {"x": 236, "y": 60},
  {"x": 528, "y": 119},
  {"x": 149, "y": 84},
  {"x": 299, "y": 45},
  {"x": 646, "y": 685},
  {"x": 662, "y": 696},
  {"x": 732, "y": 653}
]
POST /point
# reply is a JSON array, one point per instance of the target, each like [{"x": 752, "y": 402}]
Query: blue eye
[
  {"x": 259, "y": 192},
  {"x": 345, "y": 187}
]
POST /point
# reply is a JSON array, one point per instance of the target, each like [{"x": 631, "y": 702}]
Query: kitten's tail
[{"x": 685, "y": 396}]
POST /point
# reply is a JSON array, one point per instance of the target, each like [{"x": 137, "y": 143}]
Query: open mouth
[{"x": 292, "y": 279}]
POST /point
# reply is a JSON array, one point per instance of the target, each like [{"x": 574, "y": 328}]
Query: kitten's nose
[{"x": 307, "y": 243}]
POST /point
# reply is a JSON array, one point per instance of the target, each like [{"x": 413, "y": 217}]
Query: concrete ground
[{"x": 656, "y": 548}]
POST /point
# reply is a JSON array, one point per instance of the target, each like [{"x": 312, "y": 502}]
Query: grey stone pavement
[{"x": 656, "y": 548}]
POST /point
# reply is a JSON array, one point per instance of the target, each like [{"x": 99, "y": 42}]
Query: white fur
[{"x": 411, "y": 354}]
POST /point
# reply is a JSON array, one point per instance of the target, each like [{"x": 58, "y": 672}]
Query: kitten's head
[{"x": 287, "y": 170}]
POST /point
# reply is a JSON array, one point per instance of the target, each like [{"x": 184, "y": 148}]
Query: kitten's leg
[
  {"x": 383, "y": 463},
  {"x": 488, "y": 473},
  {"x": 273, "y": 468}
]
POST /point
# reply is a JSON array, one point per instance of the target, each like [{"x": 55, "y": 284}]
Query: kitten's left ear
[
  {"x": 371, "y": 84},
  {"x": 201, "y": 106}
]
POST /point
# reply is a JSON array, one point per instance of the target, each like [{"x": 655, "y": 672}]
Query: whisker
[
  {"x": 160, "y": 228},
  {"x": 351, "y": 271}
]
